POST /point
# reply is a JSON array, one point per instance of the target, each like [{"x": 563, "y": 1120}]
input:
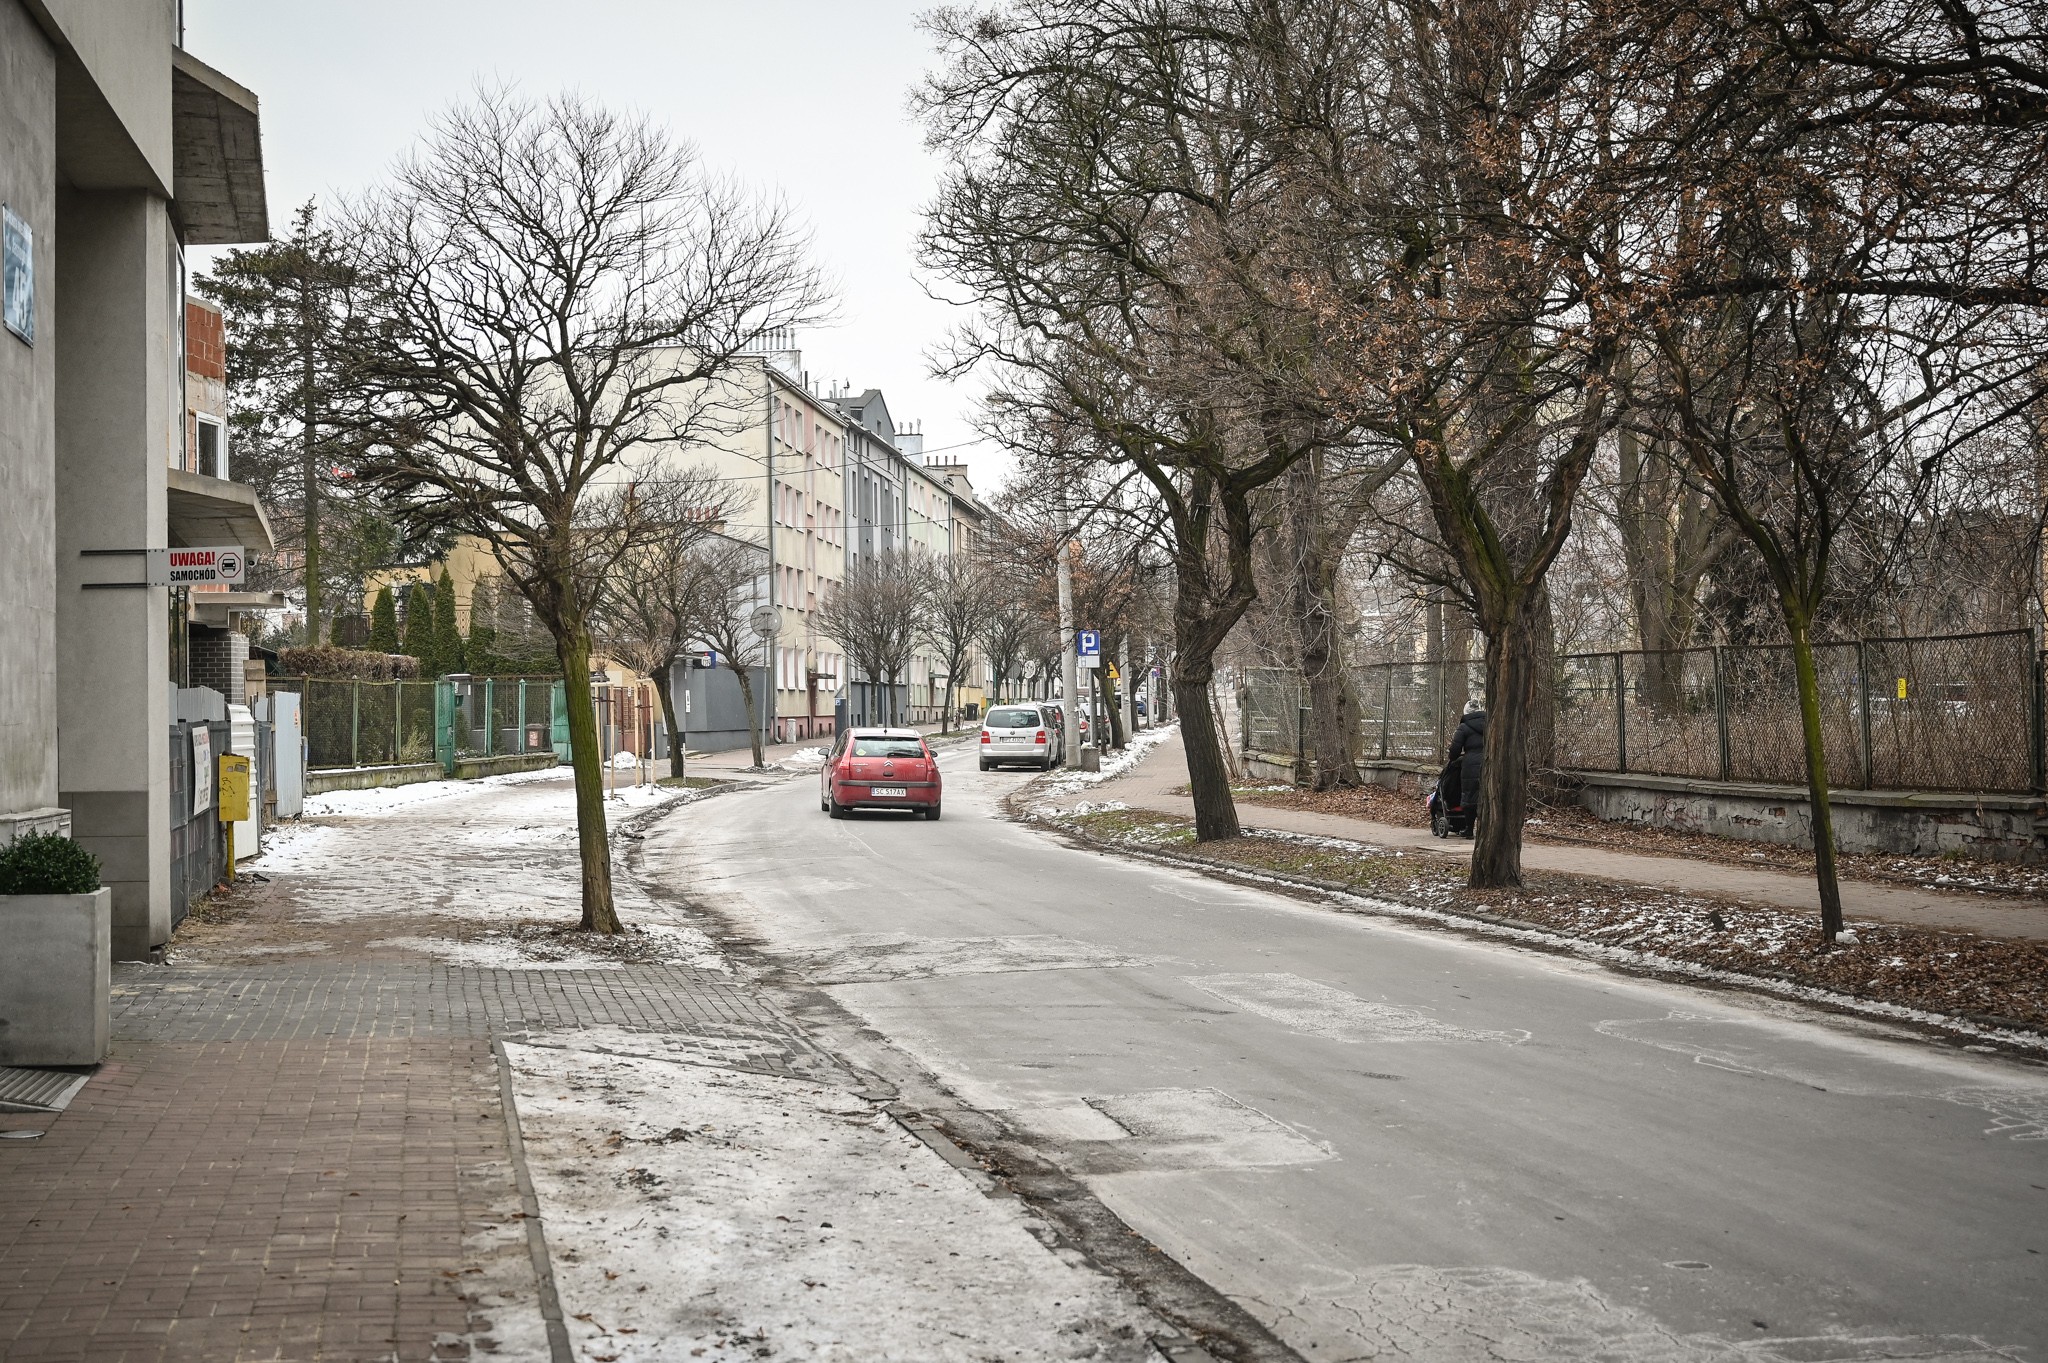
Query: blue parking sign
[{"x": 1088, "y": 643}]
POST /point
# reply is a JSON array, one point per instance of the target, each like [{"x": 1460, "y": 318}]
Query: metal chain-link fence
[{"x": 1953, "y": 713}]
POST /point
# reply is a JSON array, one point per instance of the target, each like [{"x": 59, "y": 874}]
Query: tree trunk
[
  {"x": 1541, "y": 634},
  {"x": 1315, "y": 622},
  {"x": 1113, "y": 711},
  {"x": 1817, "y": 780},
  {"x": 1512, "y": 663},
  {"x": 593, "y": 843},
  {"x": 746, "y": 680},
  {"x": 1208, "y": 776},
  {"x": 667, "y": 686}
]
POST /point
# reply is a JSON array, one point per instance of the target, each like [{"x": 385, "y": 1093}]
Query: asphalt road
[{"x": 1393, "y": 1142}]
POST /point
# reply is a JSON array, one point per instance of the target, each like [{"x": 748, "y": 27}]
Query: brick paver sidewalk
[{"x": 309, "y": 1159}]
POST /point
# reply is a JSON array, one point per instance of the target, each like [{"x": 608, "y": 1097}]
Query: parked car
[
  {"x": 880, "y": 769},
  {"x": 1019, "y": 733}
]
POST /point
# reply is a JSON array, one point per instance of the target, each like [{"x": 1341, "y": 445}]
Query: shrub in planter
[
  {"x": 54, "y": 974},
  {"x": 47, "y": 863}
]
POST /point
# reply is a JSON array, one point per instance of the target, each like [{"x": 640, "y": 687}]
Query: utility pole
[{"x": 1070, "y": 664}]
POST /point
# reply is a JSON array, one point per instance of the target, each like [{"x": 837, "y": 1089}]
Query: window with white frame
[{"x": 209, "y": 446}]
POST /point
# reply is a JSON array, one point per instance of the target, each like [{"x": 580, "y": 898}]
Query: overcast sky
[{"x": 802, "y": 96}]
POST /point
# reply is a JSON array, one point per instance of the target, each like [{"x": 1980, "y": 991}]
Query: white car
[{"x": 1019, "y": 733}]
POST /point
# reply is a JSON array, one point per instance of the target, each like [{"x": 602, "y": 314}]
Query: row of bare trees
[{"x": 1312, "y": 273}]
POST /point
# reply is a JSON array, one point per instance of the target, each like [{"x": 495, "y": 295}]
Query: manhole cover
[{"x": 26, "y": 1090}]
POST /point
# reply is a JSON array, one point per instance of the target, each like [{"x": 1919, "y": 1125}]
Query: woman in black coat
[{"x": 1468, "y": 750}]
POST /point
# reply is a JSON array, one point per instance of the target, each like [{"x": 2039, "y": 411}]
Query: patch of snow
[
  {"x": 804, "y": 759},
  {"x": 698, "y": 1213},
  {"x": 464, "y": 858},
  {"x": 492, "y": 953},
  {"x": 385, "y": 799},
  {"x": 1068, "y": 781}
]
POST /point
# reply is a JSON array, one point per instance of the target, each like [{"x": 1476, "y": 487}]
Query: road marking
[{"x": 1315, "y": 1009}]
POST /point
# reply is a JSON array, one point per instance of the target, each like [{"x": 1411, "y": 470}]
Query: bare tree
[
  {"x": 653, "y": 604},
  {"x": 1010, "y": 635},
  {"x": 877, "y": 614},
  {"x": 554, "y": 290},
  {"x": 962, "y": 603},
  {"x": 730, "y": 577},
  {"x": 1116, "y": 212}
]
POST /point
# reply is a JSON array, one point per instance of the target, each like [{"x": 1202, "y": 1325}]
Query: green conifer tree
[
  {"x": 419, "y": 626},
  {"x": 384, "y": 622},
  {"x": 447, "y": 638},
  {"x": 480, "y": 650}
]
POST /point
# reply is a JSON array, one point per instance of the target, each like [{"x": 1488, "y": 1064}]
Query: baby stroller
[{"x": 1447, "y": 817}]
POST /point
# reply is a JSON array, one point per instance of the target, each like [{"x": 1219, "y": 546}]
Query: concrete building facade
[{"x": 117, "y": 150}]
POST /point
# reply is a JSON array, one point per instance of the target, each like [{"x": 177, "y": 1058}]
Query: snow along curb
[{"x": 1493, "y": 926}]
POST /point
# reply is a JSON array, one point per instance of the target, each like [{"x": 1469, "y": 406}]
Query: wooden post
[
  {"x": 1620, "y": 714},
  {"x": 1863, "y": 705},
  {"x": 1386, "y": 711},
  {"x": 1721, "y": 712}
]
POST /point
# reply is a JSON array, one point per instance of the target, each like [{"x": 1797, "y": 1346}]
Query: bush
[
  {"x": 47, "y": 863},
  {"x": 346, "y": 664}
]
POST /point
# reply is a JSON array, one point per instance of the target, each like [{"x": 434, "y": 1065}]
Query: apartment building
[
  {"x": 969, "y": 518},
  {"x": 817, "y": 480},
  {"x": 899, "y": 507},
  {"x": 120, "y": 151}
]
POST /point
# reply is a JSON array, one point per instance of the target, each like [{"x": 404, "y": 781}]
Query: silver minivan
[{"x": 1019, "y": 733}]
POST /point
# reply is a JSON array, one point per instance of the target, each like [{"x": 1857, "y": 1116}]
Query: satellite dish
[{"x": 767, "y": 621}]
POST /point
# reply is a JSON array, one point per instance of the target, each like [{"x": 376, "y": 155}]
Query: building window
[{"x": 212, "y": 447}]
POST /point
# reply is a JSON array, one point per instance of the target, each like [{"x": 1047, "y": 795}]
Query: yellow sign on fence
[{"x": 234, "y": 788}]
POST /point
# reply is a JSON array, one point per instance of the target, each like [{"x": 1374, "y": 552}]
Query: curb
[{"x": 2008, "y": 1033}]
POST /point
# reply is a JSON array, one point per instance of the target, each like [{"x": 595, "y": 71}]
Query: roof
[{"x": 863, "y": 732}]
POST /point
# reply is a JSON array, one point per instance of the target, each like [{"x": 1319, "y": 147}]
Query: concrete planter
[{"x": 54, "y": 977}]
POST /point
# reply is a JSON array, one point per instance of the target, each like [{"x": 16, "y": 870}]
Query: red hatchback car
[{"x": 879, "y": 769}]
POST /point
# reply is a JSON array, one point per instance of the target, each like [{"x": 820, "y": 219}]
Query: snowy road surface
[{"x": 1390, "y": 1142}]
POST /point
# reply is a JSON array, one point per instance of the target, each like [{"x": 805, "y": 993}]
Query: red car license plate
[{"x": 883, "y": 792}]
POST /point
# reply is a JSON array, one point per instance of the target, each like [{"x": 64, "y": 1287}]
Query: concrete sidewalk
[{"x": 1152, "y": 786}]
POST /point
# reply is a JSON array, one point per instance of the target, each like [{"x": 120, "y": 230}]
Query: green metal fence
[
  {"x": 1950, "y": 713},
  {"x": 351, "y": 723}
]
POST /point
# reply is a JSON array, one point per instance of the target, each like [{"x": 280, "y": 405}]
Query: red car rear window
[{"x": 888, "y": 747}]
